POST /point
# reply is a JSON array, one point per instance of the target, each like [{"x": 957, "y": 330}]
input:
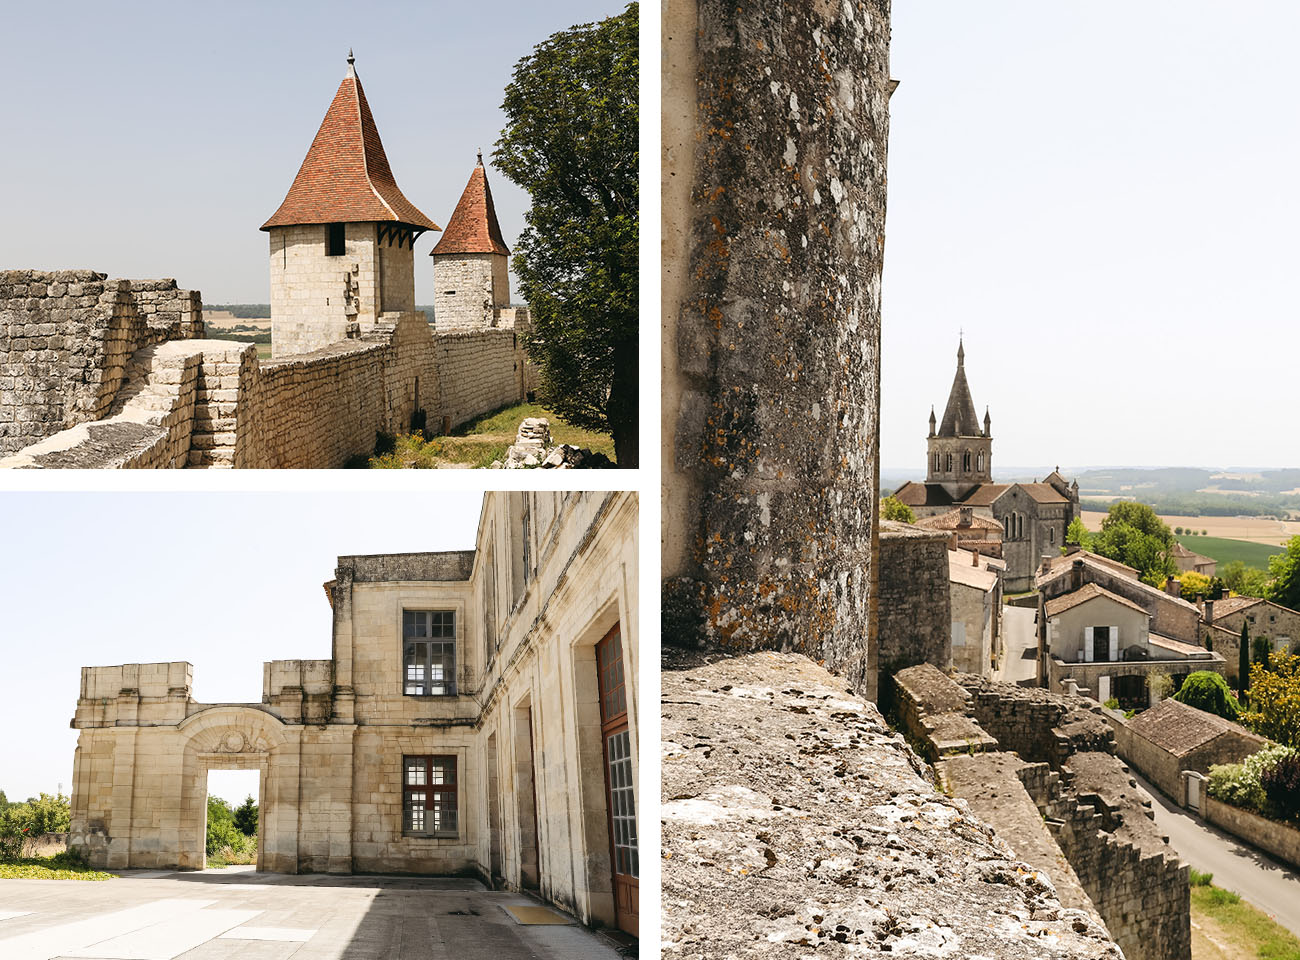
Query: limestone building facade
[
  {"x": 959, "y": 473},
  {"x": 477, "y": 715}
]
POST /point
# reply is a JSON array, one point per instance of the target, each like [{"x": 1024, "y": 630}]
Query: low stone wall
[
  {"x": 478, "y": 371},
  {"x": 1158, "y": 765},
  {"x": 65, "y": 339},
  {"x": 82, "y": 386},
  {"x": 1038, "y": 725},
  {"x": 935, "y": 712},
  {"x": 1277, "y": 839},
  {"x": 1093, "y": 809},
  {"x": 915, "y": 605}
]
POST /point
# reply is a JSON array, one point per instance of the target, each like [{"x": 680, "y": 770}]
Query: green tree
[
  {"x": 1194, "y": 585},
  {"x": 571, "y": 141},
  {"x": 246, "y": 817},
  {"x": 1243, "y": 662},
  {"x": 891, "y": 508},
  {"x": 1178, "y": 531},
  {"x": 1076, "y": 532},
  {"x": 1285, "y": 570},
  {"x": 1132, "y": 534},
  {"x": 1275, "y": 700},
  {"x": 1208, "y": 691}
]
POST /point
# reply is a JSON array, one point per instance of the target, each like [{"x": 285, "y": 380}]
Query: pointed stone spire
[
  {"x": 959, "y": 417},
  {"x": 988, "y": 432},
  {"x": 932, "y": 420}
]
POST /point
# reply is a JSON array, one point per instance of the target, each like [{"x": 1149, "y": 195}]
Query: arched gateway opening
[{"x": 238, "y": 738}]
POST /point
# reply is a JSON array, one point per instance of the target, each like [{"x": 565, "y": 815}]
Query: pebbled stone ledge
[{"x": 796, "y": 823}]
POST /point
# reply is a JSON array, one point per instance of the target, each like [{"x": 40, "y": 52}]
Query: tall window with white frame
[
  {"x": 429, "y": 653},
  {"x": 429, "y": 802}
]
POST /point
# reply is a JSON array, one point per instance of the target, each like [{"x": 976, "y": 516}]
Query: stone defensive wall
[
  {"x": 116, "y": 373},
  {"x": 65, "y": 339},
  {"x": 1040, "y": 768}
]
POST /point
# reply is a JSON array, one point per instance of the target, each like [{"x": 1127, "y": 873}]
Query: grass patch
[
  {"x": 483, "y": 440},
  {"x": 1225, "y": 551},
  {"x": 1248, "y": 931},
  {"x": 61, "y": 866},
  {"x": 1199, "y": 879}
]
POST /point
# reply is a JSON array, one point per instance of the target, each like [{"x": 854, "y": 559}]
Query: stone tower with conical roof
[
  {"x": 342, "y": 241},
  {"x": 471, "y": 267},
  {"x": 959, "y": 453}
]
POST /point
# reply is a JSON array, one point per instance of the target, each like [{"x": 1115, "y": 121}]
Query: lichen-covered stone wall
[
  {"x": 915, "y": 600},
  {"x": 774, "y": 316},
  {"x": 65, "y": 339}
]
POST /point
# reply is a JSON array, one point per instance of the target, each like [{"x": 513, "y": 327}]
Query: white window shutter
[
  {"x": 1114, "y": 643},
  {"x": 1087, "y": 643}
]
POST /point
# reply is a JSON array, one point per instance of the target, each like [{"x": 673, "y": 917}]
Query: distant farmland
[{"x": 1225, "y": 551}]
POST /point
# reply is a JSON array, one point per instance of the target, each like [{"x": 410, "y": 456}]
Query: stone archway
[{"x": 240, "y": 738}]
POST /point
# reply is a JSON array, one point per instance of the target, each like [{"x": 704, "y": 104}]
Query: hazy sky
[
  {"x": 225, "y": 581},
  {"x": 1104, "y": 196},
  {"x": 152, "y": 139}
]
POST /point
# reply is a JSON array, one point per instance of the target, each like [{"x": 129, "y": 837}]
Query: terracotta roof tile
[
  {"x": 473, "y": 227},
  {"x": 923, "y": 495},
  {"x": 1042, "y": 492},
  {"x": 1089, "y": 591},
  {"x": 345, "y": 177},
  {"x": 1180, "y": 729},
  {"x": 952, "y": 521}
]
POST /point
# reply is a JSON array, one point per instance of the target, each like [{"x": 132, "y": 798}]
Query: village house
[
  {"x": 959, "y": 474},
  {"x": 1190, "y": 560},
  {"x": 981, "y": 534},
  {"x": 477, "y": 716},
  {"x": 1172, "y": 737},
  {"x": 1103, "y": 633},
  {"x": 975, "y": 583}
]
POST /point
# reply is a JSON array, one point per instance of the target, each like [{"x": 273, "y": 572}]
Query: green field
[{"x": 1225, "y": 551}]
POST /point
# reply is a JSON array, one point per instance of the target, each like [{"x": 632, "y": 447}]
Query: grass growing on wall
[
  {"x": 485, "y": 439},
  {"x": 1225, "y": 927}
]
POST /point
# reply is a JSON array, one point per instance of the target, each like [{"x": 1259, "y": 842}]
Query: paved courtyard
[{"x": 238, "y": 913}]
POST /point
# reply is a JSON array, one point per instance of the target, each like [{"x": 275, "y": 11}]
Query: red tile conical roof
[
  {"x": 473, "y": 227},
  {"x": 345, "y": 177}
]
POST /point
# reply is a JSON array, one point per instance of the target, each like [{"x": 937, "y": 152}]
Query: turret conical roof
[
  {"x": 473, "y": 227},
  {"x": 345, "y": 177},
  {"x": 959, "y": 418}
]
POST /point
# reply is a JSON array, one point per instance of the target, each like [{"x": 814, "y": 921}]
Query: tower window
[
  {"x": 947, "y": 463},
  {"x": 334, "y": 245},
  {"x": 965, "y": 460},
  {"x": 979, "y": 463}
]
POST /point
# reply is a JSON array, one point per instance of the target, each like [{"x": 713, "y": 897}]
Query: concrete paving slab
[
  {"x": 302, "y": 934},
  {"x": 171, "y": 938},
  {"x": 343, "y": 917}
]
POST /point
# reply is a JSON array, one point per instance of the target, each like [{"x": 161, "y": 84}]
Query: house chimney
[
  {"x": 1173, "y": 587},
  {"x": 1046, "y": 566},
  {"x": 953, "y": 543},
  {"x": 1071, "y": 549},
  {"x": 1209, "y": 610},
  {"x": 1076, "y": 575},
  {"x": 974, "y": 557},
  {"x": 964, "y": 517}
]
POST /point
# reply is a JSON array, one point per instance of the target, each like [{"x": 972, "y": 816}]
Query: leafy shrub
[
  {"x": 1199, "y": 879},
  {"x": 1208, "y": 691},
  {"x": 1281, "y": 784},
  {"x": 1111, "y": 704},
  {"x": 1239, "y": 783}
]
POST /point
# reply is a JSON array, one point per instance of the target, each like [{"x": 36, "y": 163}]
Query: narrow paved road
[
  {"x": 1019, "y": 637},
  {"x": 1237, "y": 866}
]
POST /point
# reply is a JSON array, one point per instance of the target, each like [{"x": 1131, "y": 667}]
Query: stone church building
[
  {"x": 477, "y": 715},
  {"x": 959, "y": 473}
]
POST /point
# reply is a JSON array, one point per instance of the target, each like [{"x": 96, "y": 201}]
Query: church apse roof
[
  {"x": 345, "y": 177},
  {"x": 959, "y": 419},
  {"x": 473, "y": 227}
]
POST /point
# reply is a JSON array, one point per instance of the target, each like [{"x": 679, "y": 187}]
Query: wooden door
[{"x": 619, "y": 794}]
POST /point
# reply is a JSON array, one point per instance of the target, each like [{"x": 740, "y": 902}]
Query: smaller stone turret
[{"x": 471, "y": 268}]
